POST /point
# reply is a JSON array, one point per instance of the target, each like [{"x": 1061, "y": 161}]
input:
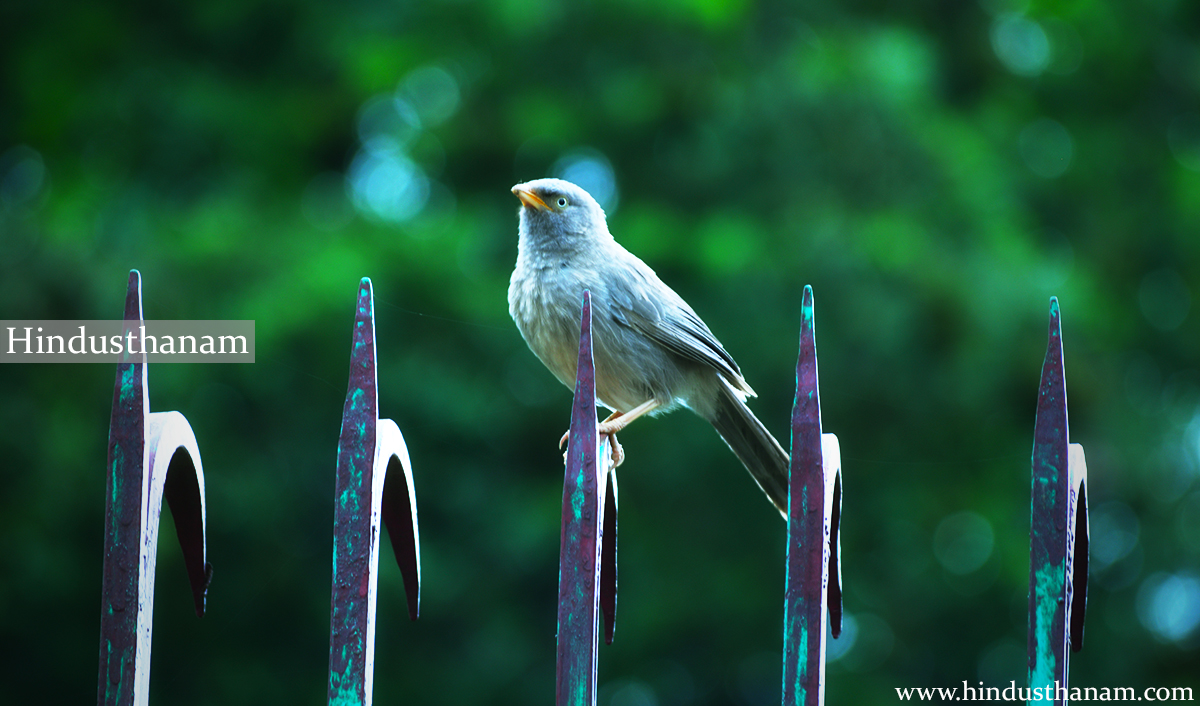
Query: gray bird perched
[{"x": 651, "y": 351}]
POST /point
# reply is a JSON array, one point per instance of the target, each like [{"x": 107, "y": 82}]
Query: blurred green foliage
[{"x": 936, "y": 171}]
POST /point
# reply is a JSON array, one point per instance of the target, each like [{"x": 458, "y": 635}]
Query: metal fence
[{"x": 154, "y": 455}]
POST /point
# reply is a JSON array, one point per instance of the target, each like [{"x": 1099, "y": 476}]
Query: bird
[{"x": 652, "y": 352}]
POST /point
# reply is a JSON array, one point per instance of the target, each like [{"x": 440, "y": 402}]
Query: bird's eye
[{"x": 562, "y": 202}]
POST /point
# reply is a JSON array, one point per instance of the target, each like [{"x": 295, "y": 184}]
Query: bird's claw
[{"x": 616, "y": 452}]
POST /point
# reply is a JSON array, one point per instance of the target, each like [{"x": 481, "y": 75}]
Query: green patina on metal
[
  {"x": 113, "y": 691},
  {"x": 1050, "y": 580},
  {"x": 108, "y": 664},
  {"x": 356, "y": 399},
  {"x": 121, "y": 683},
  {"x": 349, "y": 621},
  {"x": 579, "y": 694},
  {"x": 345, "y": 690},
  {"x": 796, "y": 634},
  {"x": 129, "y": 378},
  {"x": 345, "y": 696},
  {"x": 349, "y": 499},
  {"x": 118, "y": 486},
  {"x": 577, "y": 498},
  {"x": 1048, "y": 484},
  {"x": 799, "y": 624}
]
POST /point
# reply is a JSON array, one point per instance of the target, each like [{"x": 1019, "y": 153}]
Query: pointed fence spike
[
  {"x": 1058, "y": 543},
  {"x": 373, "y": 484},
  {"x": 813, "y": 589},
  {"x": 150, "y": 456},
  {"x": 583, "y": 582}
]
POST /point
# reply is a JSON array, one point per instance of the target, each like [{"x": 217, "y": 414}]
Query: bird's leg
[
  {"x": 614, "y": 423},
  {"x": 618, "y": 453},
  {"x": 607, "y": 419},
  {"x": 619, "y": 420}
]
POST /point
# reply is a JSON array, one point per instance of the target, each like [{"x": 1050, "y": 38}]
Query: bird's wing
[{"x": 643, "y": 302}]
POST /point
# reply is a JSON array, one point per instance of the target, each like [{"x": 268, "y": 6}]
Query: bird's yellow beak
[{"x": 530, "y": 199}]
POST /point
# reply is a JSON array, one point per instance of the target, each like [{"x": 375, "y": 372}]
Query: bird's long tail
[{"x": 758, "y": 451}]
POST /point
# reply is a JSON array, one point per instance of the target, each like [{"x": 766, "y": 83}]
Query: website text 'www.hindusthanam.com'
[{"x": 1044, "y": 693}]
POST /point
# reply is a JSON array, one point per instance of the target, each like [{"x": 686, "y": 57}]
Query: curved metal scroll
[
  {"x": 150, "y": 456},
  {"x": 374, "y": 485}
]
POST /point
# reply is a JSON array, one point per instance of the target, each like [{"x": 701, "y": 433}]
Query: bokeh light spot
[
  {"x": 873, "y": 643},
  {"x": 22, "y": 176},
  {"x": 1021, "y": 44},
  {"x": 1165, "y": 299},
  {"x": 1189, "y": 522},
  {"x": 1191, "y": 442},
  {"x": 388, "y": 186},
  {"x": 963, "y": 542},
  {"x": 432, "y": 93},
  {"x": 591, "y": 170},
  {"x": 1168, "y": 605},
  {"x": 758, "y": 678},
  {"x": 633, "y": 693},
  {"x": 1113, "y": 531},
  {"x": 389, "y": 178},
  {"x": 384, "y": 117},
  {"x": 836, "y": 649},
  {"x": 1046, "y": 147},
  {"x": 1003, "y": 662},
  {"x": 1066, "y": 46}
]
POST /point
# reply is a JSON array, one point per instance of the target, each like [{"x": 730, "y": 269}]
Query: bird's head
[{"x": 556, "y": 212}]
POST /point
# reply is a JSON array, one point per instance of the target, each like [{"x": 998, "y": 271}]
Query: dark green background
[{"x": 936, "y": 170}]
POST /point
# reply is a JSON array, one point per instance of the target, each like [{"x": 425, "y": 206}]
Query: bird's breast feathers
[{"x": 546, "y": 307}]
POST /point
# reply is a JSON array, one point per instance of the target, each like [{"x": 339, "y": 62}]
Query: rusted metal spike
[
  {"x": 813, "y": 584},
  {"x": 373, "y": 485},
  {"x": 150, "y": 455},
  {"x": 579, "y": 567},
  {"x": 1058, "y": 528},
  {"x": 122, "y": 522}
]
